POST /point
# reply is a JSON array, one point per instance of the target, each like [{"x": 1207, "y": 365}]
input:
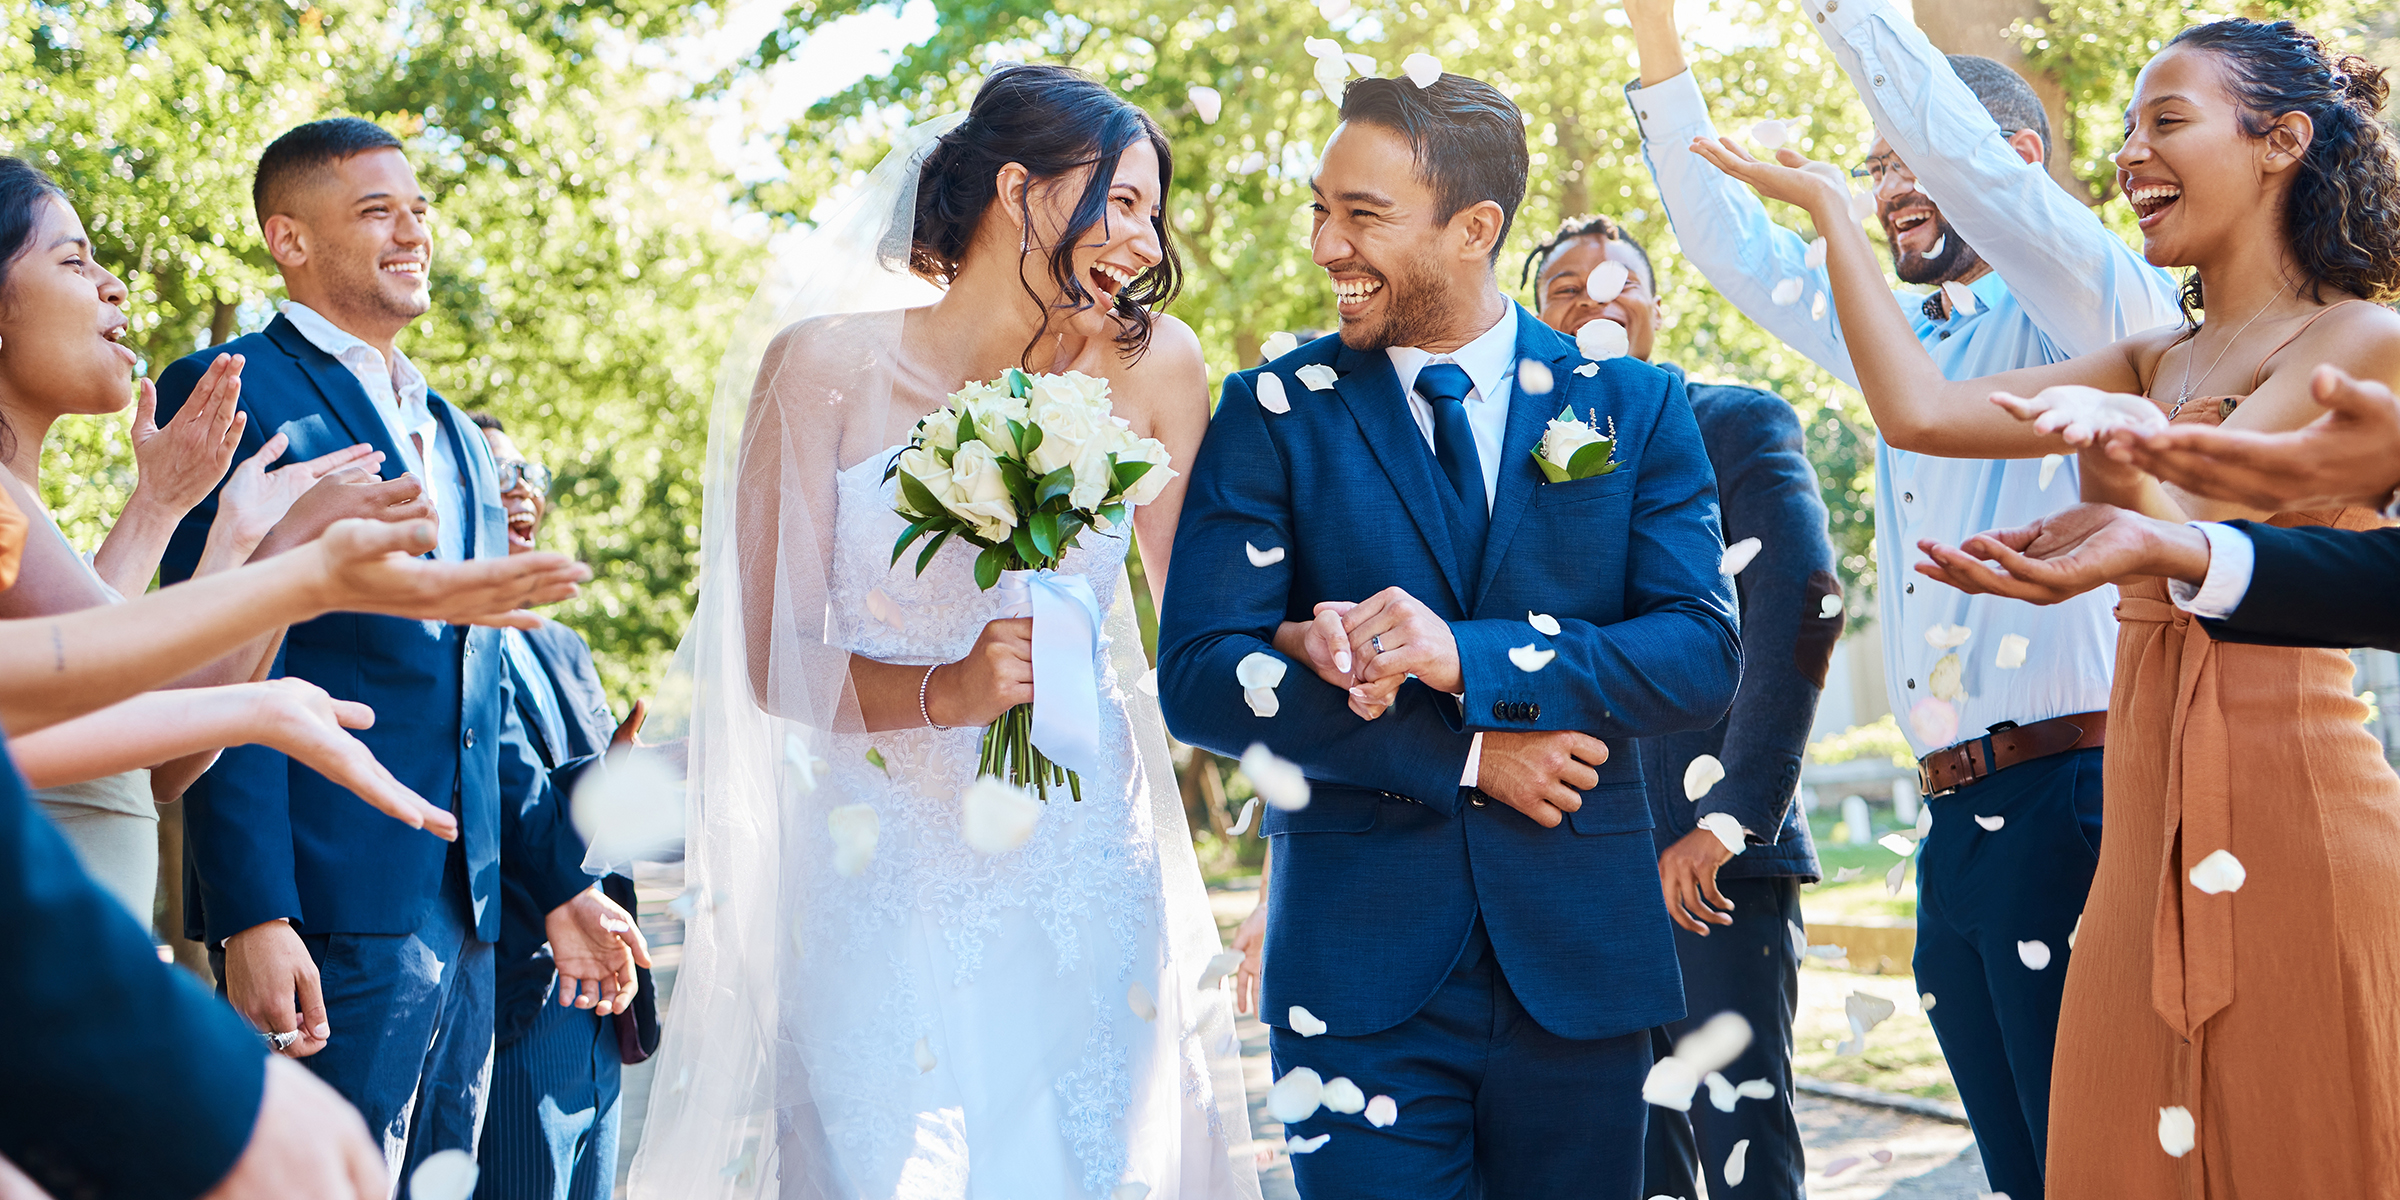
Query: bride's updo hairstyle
[
  {"x": 1052, "y": 121},
  {"x": 2342, "y": 215}
]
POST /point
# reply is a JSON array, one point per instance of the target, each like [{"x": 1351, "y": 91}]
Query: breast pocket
[{"x": 1584, "y": 491}]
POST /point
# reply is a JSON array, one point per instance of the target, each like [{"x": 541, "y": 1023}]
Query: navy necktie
[{"x": 1445, "y": 387}]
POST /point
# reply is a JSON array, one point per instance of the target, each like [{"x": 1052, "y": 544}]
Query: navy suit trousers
[
  {"x": 1492, "y": 1106},
  {"x": 1751, "y": 968},
  {"x": 1980, "y": 893},
  {"x": 551, "y": 1130}
]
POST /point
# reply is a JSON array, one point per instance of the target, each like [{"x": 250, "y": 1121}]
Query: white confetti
[
  {"x": 1304, "y": 1022},
  {"x": 1543, "y": 623},
  {"x": 1220, "y": 967},
  {"x": 1130, "y": 1190},
  {"x": 1534, "y": 378},
  {"x": 1317, "y": 376},
  {"x": 1360, "y": 63},
  {"x": 1262, "y": 701},
  {"x": 1606, "y": 282},
  {"x": 1897, "y": 844},
  {"x": 1270, "y": 393},
  {"x": 1301, "y": 1145},
  {"x": 1259, "y": 669},
  {"x": 1828, "y": 952},
  {"x": 1893, "y": 878},
  {"x": 1383, "y": 1112},
  {"x": 881, "y": 607},
  {"x": 1785, "y": 293},
  {"x": 1600, "y": 339},
  {"x": 1422, "y": 69},
  {"x": 1295, "y": 1097},
  {"x": 1721, "y": 1092},
  {"x": 2012, "y": 651},
  {"x": 1588, "y": 370},
  {"x": 628, "y": 807},
  {"x": 1737, "y": 1164},
  {"x": 924, "y": 1056},
  {"x": 1846, "y": 874},
  {"x": 2050, "y": 464},
  {"x": 1530, "y": 657},
  {"x": 2220, "y": 872},
  {"x": 1992, "y": 824},
  {"x": 2076, "y": 932},
  {"x": 1939, "y": 244},
  {"x": 1277, "y": 781},
  {"x": 1827, "y": 172},
  {"x": 1948, "y": 679},
  {"x": 1738, "y": 555},
  {"x": 1814, "y": 256},
  {"x": 1249, "y": 809},
  {"x": 1962, "y": 300},
  {"x": 1727, "y": 829},
  {"x": 995, "y": 817},
  {"x": 1862, "y": 205},
  {"x": 1769, "y": 134},
  {"x": 2036, "y": 954},
  {"x": 1879, "y": 1154},
  {"x": 1277, "y": 345},
  {"x": 1206, "y": 102},
  {"x": 1333, "y": 10},
  {"x": 1139, "y": 1000},
  {"x": 1322, "y": 48},
  {"x": 1830, "y": 606},
  {"x": 1866, "y": 1012},
  {"x": 1756, "y": 1089},
  {"x": 1835, "y": 1167},
  {"x": 1947, "y": 637},
  {"x": 1263, "y": 558},
  {"x": 1148, "y": 683},
  {"x": 1342, "y": 1096},
  {"x": 1924, "y": 821},
  {"x": 2176, "y": 1131},
  {"x": 854, "y": 828},
  {"x": 445, "y": 1175},
  {"x": 1718, "y": 1041},
  {"x": 1799, "y": 937},
  {"x": 1670, "y": 1084},
  {"x": 1701, "y": 774},
  {"x": 1816, "y": 307}
]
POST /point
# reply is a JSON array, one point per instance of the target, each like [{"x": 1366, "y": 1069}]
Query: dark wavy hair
[
  {"x": 1052, "y": 121},
  {"x": 2342, "y": 216},
  {"x": 23, "y": 188},
  {"x": 1591, "y": 225}
]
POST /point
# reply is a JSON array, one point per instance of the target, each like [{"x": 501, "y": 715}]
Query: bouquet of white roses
[{"x": 1021, "y": 466}]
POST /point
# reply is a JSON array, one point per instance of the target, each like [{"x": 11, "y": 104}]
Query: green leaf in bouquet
[
  {"x": 1021, "y": 540},
  {"x": 966, "y": 427},
  {"x": 1042, "y": 527},
  {"x": 1014, "y": 478},
  {"x": 1592, "y": 460},
  {"x": 1029, "y": 437},
  {"x": 987, "y": 567},
  {"x": 1069, "y": 528},
  {"x": 1550, "y": 470},
  {"x": 931, "y": 548},
  {"x": 1114, "y": 514},
  {"x": 1020, "y": 385},
  {"x": 908, "y": 535},
  {"x": 919, "y": 498},
  {"x": 1129, "y": 473},
  {"x": 1060, "y": 482}
]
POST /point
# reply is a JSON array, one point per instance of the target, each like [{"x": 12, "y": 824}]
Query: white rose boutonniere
[{"x": 1572, "y": 449}]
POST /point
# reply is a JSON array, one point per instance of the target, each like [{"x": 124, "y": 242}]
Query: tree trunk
[
  {"x": 1574, "y": 163},
  {"x": 220, "y": 324},
  {"x": 1981, "y": 27}
]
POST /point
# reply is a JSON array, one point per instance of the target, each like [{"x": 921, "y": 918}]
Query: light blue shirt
[
  {"x": 2061, "y": 285},
  {"x": 398, "y": 392},
  {"x": 536, "y": 682}
]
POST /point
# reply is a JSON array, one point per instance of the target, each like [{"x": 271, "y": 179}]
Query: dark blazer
[
  {"x": 267, "y": 837},
  {"x": 125, "y": 1078},
  {"x": 525, "y": 966},
  {"x": 1379, "y": 881},
  {"x": 1768, "y": 491},
  {"x": 2314, "y": 586}
]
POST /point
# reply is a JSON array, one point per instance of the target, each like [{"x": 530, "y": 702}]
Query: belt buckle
[{"x": 1925, "y": 787}]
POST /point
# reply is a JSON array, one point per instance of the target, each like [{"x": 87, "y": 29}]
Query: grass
[
  {"x": 1901, "y": 1054},
  {"x": 1865, "y": 896}
]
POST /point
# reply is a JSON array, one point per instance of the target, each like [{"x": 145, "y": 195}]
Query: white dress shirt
[
  {"x": 2062, "y": 285},
  {"x": 1490, "y": 362},
  {"x": 397, "y": 390},
  {"x": 2231, "y": 559}
]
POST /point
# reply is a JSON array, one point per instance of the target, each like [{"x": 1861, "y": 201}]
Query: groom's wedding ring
[
  {"x": 1376, "y": 643},
  {"x": 280, "y": 1042}
]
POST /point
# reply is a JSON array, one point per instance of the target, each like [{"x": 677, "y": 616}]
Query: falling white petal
[
  {"x": 1317, "y": 376},
  {"x": 1866, "y": 1012},
  {"x": 1927, "y": 1001},
  {"x": 1769, "y": 134},
  {"x": 1756, "y": 1089},
  {"x": 1322, "y": 48},
  {"x": 1543, "y": 623},
  {"x": 1139, "y": 1000},
  {"x": 1787, "y": 292},
  {"x": 1600, "y": 339},
  {"x": 1990, "y": 823},
  {"x": 1701, "y": 774},
  {"x": 924, "y": 1056},
  {"x": 1948, "y": 679},
  {"x": 1530, "y": 657},
  {"x": 1879, "y": 1154},
  {"x": 1295, "y": 1096},
  {"x": 1534, "y": 378},
  {"x": 1737, "y": 1164},
  {"x": 1263, "y": 558},
  {"x": 1799, "y": 937},
  {"x": 1816, "y": 307},
  {"x": 2012, "y": 651},
  {"x": 1830, "y": 606},
  {"x": 1828, "y": 951},
  {"x": 1587, "y": 370},
  {"x": 1728, "y": 830},
  {"x": 2036, "y": 954},
  {"x": 1304, "y": 1022},
  {"x": 2076, "y": 932},
  {"x": 1342, "y": 1096},
  {"x": 1361, "y": 63},
  {"x": 1219, "y": 967},
  {"x": 1262, "y": 701},
  {"x": 1962, "y": 300},
  {"x": 1333, "y": 10},
  {"x": 1421, "y": 68},
  {"x": 1670, "y": 1084},
  {"x": 1947, "y": 637},
  {"x": 1893, "y": 878},
  {"x": 447, "y": 1175},
  {"x": 1277, "y": 345},
  {"x": 1259, "y": 669},
  {"x": 1835, "y": 1167},
  {"x": 1277, "y": 781},
  {"x": 1940, "y": 244},
  {"x": 1249, "y": 809},
  {"x": 996, "y": 817},
  {"x": 1827, "y": 172},
  {"x": 1606, "y": 281},
  {"x": 1206, "y": 102},
  {"x": 2050, "y": 464},
  {"x": 1738, "y": 555},
  {"x": 1130, "y": 1190},
  {"x": 1862, "y": 205},
  {"x": 2176, "y": 1131},
  {"x": 1897, "y": 844},
  {"x": 854, "y": 827},
  {"x": 2218, "y": 873},
  {"x": 628, "y": 807},
  {"x": 1148, "y": 683},
  {"x": 1382, "y": 1112},
  {"x": 1270, "y": 393},
  {"x": 1719, "y": 1040},
  {"x": 1814, "y": 256},
  {"x": 881, "y": 607},
  {"x": 1721, "y": 1092},
  {"x": 1924, "y": 821},
  {"x": 1301, "y": 1145},
  {"x": 1846, "y": 874}
]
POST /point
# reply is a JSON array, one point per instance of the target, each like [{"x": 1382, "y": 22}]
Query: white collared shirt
[
  {"x": 1490, "y": 362},
  {"x": 397, "y": 390}
]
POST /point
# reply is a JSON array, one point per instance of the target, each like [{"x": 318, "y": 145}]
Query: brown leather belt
[{"x": 2008, "y": 744}]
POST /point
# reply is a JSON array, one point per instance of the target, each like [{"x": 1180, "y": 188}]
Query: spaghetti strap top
[{"x": 2259, "y": 376}]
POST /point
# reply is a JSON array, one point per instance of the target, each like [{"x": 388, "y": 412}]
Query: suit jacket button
[
  {"x": 1537, "y": 713},
  {"x": 470, "y": 739},
  {"x": 1499, "y": 710}
]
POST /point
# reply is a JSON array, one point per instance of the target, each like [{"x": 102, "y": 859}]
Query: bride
[{"x": 938, "y": 1023}]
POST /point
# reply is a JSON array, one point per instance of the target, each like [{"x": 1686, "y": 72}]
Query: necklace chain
[{"x": 2185, "y": 396}]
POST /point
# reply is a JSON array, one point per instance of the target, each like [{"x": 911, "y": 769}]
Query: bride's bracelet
[{"x": 923, "y": 684}]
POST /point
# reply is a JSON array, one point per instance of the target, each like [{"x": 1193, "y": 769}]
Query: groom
[{"x": 1469, "y": 903}]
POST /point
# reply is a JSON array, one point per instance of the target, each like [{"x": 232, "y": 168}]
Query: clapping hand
[
  {"x": 2067, "y": 554},
  {"x": 254, "y": 499},
  {"x": 177, "y": 465},
  {"x": 353, "y": 491},
  {"x": 2348, "y": 456}
]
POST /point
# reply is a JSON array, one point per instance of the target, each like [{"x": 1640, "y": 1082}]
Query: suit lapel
[
  {"x": 1528, "y": 416},
  {"x": 1368, "y": 385},
  {"x": 343, "y": 395},
  {"x": 477, "y": 477}
]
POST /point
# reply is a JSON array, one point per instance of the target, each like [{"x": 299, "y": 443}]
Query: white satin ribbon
[{"x": 1066, "y": 681}]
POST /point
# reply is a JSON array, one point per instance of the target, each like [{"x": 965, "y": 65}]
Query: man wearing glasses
[{"x": 2023, "y": 274}]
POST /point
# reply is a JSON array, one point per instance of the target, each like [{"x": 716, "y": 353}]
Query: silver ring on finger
[
  {"x": 1376, "y": 643},
  {"x": 279, "y": 1042}
]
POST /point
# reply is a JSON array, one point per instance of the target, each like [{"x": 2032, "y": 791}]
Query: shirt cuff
[
  {"x": 1467, "y": 777},
  {"x": 1670, "y": 108},
  {"x": 1840, "y": 16},
  {"x": 2230, "y": 560}
]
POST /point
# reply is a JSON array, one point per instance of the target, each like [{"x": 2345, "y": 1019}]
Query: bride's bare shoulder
[
  {"x": 837, "y": 337},
  {"x": 1169, "y": 373}
]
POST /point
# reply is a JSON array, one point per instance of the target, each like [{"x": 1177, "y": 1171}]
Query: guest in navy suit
[
  {"x": 1735, "y": 914},
  {"x": 550, "y": 1131},
  {"x": 1467, "y": 902},
  {"x": 374, "y": 943}
]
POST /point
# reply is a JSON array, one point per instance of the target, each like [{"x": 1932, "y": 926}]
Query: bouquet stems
[{"x": 1009, "y": 752}]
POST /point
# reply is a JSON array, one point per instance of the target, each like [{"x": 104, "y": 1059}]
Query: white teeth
[
  {"x": 1350, "y": 290},
  {"x": 1118, "y": 275}
]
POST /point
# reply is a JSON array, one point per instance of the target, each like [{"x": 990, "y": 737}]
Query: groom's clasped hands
[{"x": 1370, "y": 648}]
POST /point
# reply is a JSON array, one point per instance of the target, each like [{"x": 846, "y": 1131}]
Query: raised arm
[{"x": 2081, "y": 284}]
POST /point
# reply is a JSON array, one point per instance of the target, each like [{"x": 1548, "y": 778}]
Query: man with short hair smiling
[
  {"x": 1462, "y": 922},
  {"x": 354, "y": 944}
]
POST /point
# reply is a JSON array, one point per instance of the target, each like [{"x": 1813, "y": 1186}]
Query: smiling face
[
  {"x": 1568, "y": 303},
  {"x": 355, "y": 245},
  {"x": 526, "y": 507},
  {"x": 62, "y": 321},
  {"x": 1924, "y": 247},
  {"x": 2195, "y": 177},
  {"x": 1401, "y": 276},
  {"x": 1113, "y": 251}
]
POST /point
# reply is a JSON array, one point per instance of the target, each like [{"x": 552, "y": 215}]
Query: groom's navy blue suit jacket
[
  {"x": 1377, "y": 883},
  {"x": 267, "y": 837}
]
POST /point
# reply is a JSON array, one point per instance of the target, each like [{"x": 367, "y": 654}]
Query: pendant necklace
[{"x": 2186, "y": 396}]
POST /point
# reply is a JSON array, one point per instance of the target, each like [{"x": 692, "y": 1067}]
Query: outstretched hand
[
  {"x": 370, "y": 566},
  {"x": 2081, "y": 415},
  {"x": 2348, "y": 456},
  {"x": 176, "y": 465},
  {"x": 1818, "y": 188},
  {"x": 2068, "y": 553},
  {"x": 254, "y": 499},
  {"x": 304, "y": 722}
]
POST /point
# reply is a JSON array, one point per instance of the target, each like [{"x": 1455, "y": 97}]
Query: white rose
[
  {"x": 978, "y": 494},
  {"x": 1067, "y": 423},
  {"x": 1564, "y": 438},
  {"x": 1095, "y": 478},
  {"x": 926, "y": 467},
  {"x": 1154, "y": 480},
  {"x": 1072, "y": 387},
  {"x": 938, "y": 430},
  {"x": 992, "y": 407}
]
